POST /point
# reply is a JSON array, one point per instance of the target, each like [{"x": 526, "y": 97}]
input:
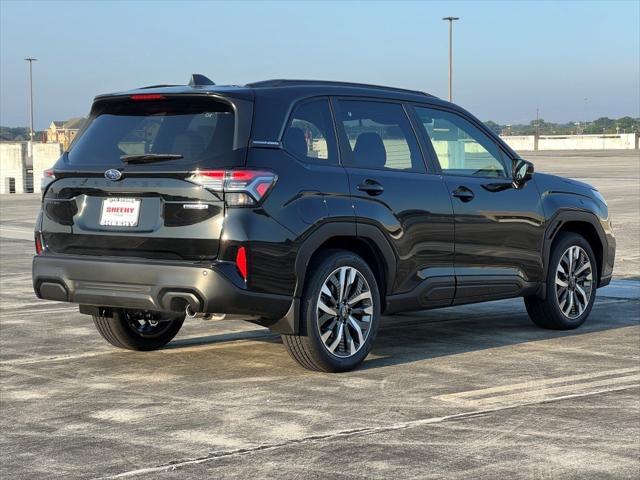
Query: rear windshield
[{"x": 201, "y": 130}]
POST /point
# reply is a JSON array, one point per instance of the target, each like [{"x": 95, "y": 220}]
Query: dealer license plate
[{"x": 120, "y": 212}]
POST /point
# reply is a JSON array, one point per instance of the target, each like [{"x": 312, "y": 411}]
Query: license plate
[{"x": 120, "y": 212}]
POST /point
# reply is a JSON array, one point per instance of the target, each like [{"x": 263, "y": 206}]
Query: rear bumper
[{"x": 151, "y": 285}]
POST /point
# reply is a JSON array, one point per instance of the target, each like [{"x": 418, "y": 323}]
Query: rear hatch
[{"x": 127, "y": 186}]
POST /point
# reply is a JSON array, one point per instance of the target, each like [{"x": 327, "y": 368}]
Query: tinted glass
[
  {"x": 199, "y": 130},
  {"x": 379, "y": 136},
  {"x": 461, "y": 148},
  {"x": 309, "y": 135}
]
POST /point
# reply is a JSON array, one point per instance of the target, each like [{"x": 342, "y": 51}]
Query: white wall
[
  {"x": 520, "y": 142},
  {"x": 13, "y": 163},
  {"x": 624, "y": 141},
  {"x": 12, "y": 157},
  {"x": 44, "y": 156},
  {"x": 587, "y": 142}
]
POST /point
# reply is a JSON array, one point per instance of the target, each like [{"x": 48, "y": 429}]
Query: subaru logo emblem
[{"x": 113, "y": 174}]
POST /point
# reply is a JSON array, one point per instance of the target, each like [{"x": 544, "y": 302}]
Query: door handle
[
  {"x": 463, "y": 193},
  {"x": 371, "y": 187}
]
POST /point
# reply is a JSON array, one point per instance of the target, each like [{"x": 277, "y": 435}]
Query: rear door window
[
  {"x": 201, "y": 130},
  {"x": 378, "y": 136},
  {"x": 310, "y": 133}
]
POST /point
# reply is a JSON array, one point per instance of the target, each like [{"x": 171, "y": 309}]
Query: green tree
[{"x": 497, "y": 128}]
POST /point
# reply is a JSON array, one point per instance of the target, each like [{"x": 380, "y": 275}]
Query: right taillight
[{"x": 241, "y": 188}]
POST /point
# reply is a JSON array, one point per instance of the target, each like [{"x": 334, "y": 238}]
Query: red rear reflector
[
  {"x": 38, "y": 245},
  {"x": 241, "y": 262},
  {"x": 148, "y": 96}
]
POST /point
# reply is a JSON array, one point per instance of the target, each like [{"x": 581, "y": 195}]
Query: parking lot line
[
  {"x": 526, "y": 392},
  {"x": 349, "y": 433}
]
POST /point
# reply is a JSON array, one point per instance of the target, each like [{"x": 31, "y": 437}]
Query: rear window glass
[
  {"x": 310, "y": 135},
  {"x": 201, "y": 130}
]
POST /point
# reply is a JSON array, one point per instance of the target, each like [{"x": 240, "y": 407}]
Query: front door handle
[
  {"x": 463, "y": 193},
  {"x": 371, "y": 187}
]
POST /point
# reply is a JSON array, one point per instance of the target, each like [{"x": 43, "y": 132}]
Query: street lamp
[
  {"x": 586, "y": 114},
  {"x": 30, "y": 60},
  {"x": 450, "y": 20}
]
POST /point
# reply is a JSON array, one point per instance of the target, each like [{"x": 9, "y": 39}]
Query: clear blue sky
[{"x": 509, "y": 57}]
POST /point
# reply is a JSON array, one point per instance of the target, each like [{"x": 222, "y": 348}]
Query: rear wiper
[{"x": 150, "y": 157}]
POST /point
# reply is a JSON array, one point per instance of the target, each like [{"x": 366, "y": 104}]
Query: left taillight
[
  {"x": 241, "y": 188},
  {"x": 39, "y": 243},
  {"x": 48, "y": 173},
  {"x": 241, "y": 263}
]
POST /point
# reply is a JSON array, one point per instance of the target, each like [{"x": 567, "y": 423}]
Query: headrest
[
  {"x": 369, "y": 150},
  {"x": 296, "y": 142}
]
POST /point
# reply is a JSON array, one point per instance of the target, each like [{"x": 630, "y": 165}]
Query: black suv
[{"x": 311, "y": 208}]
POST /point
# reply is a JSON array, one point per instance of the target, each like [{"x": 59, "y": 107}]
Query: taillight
[
  {"x": 48, "y": 173},
  {"x": 147, "y": 96},
  {"x": 241, "y": 188}
]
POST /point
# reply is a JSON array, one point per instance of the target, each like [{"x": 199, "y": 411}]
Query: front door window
[{"x": 461, "y": 147}]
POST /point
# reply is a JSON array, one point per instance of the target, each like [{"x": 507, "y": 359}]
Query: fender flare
[
  {"x": 290, "y": 323},
  {"x": 555, "y": 224},
  {"x": 330, "y": 230}
]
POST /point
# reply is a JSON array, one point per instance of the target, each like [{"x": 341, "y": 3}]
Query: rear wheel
[
  {"x": 137, "y": 329},
  {"x": 340, "y": 314},
  {"x": 572, "y": 279}
]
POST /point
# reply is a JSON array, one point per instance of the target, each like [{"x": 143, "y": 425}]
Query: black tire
[
  {"x": 547, "y": 313},
  {"x": 120, "y": 330},
  {"x": 308, "y": 348}
]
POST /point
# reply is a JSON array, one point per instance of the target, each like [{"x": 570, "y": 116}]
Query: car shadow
[
  {"x": 412, "y": 337},
  {"x": 423, "y": 335}
]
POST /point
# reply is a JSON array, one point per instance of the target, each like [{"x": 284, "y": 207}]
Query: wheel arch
[
  {"x": 583, "y": 223},
  {"x": 365, "y": 240},
  {"x": 368, "y": 242}
]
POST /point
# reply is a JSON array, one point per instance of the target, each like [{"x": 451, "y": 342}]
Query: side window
[
  {"x": 461, "y": 147},
  {"x": 379, "y": 135},
  {"x": 310, "y": 135}
]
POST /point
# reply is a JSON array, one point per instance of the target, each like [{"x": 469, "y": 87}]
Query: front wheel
[
  {"x": 572, "y": 279},
  {"x": 339, "y": 315},
  {"x": 137, "y": 329}
]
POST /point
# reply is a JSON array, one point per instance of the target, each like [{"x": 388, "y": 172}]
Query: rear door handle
[
  {"x": 371, "y": 187},
  {"x": 463, "y": 193}
]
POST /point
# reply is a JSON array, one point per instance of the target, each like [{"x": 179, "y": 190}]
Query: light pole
[
  {"x": 30, "y": 60},
  {"x": 450, "y": 20},
  {"x": 586, "y": 114}
]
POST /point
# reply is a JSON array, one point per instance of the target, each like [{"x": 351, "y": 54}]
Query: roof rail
[{"x": 282, "y": 82}]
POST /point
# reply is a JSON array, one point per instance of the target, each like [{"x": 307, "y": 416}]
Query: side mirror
[{"x": 522, "y": 172}]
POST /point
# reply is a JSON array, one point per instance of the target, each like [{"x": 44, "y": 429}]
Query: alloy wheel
[
  {"x": 344, "y": 312},
  {"x": 147, "y": 324},
  {"x": 574, "y": 282}
]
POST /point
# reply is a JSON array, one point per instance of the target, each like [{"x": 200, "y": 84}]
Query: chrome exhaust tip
[{"x": 190, "y": 312}]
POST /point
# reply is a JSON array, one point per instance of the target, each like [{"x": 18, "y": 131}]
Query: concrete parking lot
[{"x": 469, "y": 392}]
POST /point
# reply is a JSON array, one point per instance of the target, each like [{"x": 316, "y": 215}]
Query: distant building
[{"x": 64, "y": 131}]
